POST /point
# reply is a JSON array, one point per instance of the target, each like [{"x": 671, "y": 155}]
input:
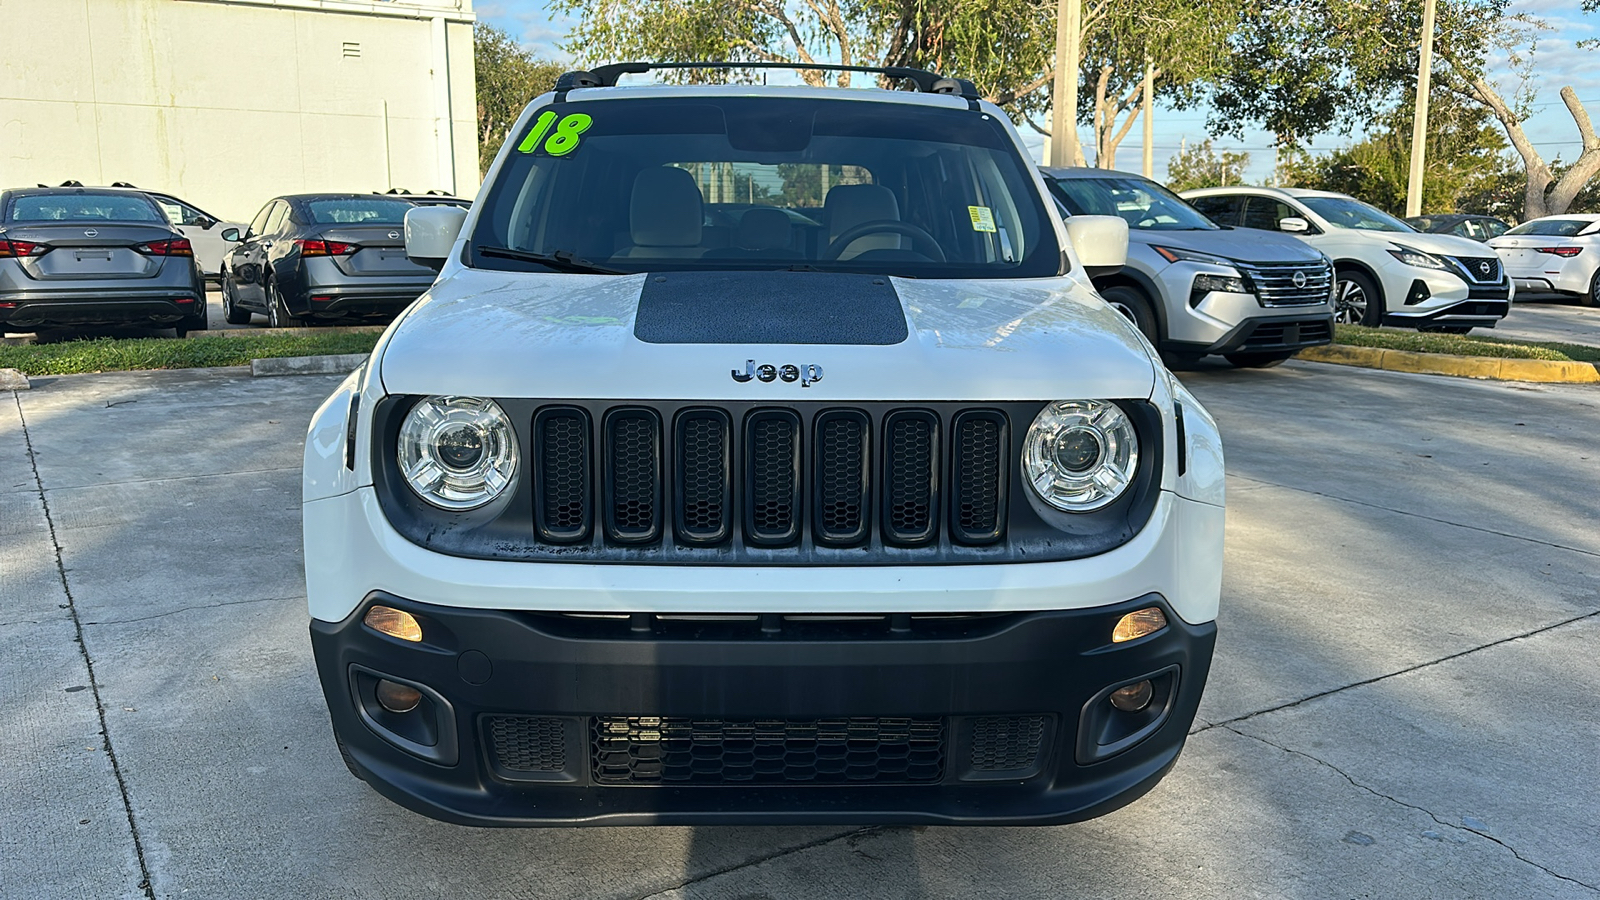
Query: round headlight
[
  {"x": 457, "y": 452},
  {"x": 1080, "y": 454}
]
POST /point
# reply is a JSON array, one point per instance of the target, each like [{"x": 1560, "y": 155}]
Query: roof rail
[
  {"x": 926, "y": 82},
  {"x": 124, "y": 184}
]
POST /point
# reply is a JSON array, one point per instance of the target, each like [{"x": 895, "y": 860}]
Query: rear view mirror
[
  {"x": 231, "y": 234},
  {"x": 430, "y": 233},
  {"x": 1100, "y": 242},
  {"x": 1293, "y": 225},
  {"x": 206, "y": 223}
]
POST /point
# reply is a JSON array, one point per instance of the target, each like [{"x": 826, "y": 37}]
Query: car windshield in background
[
  {"x": 76, "y": 207},
  {"x": 1144, "y": 204},
  {"x": 1551, "y": 227},
  {"x": 358, "y": 211},
  {"x": 1343, "y": 212},
  {"x": 746, "y": 183}
]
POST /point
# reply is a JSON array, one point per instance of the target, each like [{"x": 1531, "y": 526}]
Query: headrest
[
  {"x": 665, "y": 209},
  {"x": 848, "y": 205},
  {"x": 764, "y": 228}
]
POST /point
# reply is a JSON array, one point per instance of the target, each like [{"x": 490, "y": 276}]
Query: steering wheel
[{"x": 880, "y": 226}]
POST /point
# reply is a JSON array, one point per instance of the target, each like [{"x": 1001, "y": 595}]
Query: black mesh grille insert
[
  {"x": 772, "y": 477},
  {"x": 910, "y": 476},
  {"x": 633, "y": 475},
  {"x": 977, "y": 513},
  {"x": 528, "y": 743},
  {"x": 561, "y": 489},
  {"x": 648, "y": 750},
  {"x": 1002, "y": 743},
  {"x": 842, "y": 499},
  {"x": 703, "y": 476}
]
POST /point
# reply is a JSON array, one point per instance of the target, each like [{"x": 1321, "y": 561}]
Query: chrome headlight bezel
[
  {"x": 1056, "y": 454},
  {"x": 470, "y": 426}
]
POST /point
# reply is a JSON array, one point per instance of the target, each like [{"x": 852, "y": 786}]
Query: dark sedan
[
  {"x": 322, "y": 258},
  {"x": 94, "y": 256},
  {"x": 1478, "y": 228}
]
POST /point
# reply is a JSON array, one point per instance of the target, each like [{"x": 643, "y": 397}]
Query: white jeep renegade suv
[{"x": 762, "y": 455}]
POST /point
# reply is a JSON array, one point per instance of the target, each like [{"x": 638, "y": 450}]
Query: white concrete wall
[{"x": 227, "y": 103}]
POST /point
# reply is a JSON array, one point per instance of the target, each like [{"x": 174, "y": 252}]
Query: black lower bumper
[
  {"x": 25, "y": 311},
  {"x": 361, "y": 302},
  {"x": 1267, "y": 334},
  {"x": 1471, "y": 313},
  {"x": 550, "y": 719}
]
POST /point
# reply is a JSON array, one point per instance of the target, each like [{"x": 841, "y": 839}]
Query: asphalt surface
[{"x": 1402, "y": 704}]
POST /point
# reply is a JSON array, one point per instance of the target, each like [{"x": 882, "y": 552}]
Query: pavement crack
[
  {"x": 855, "y": 835},
  {"x": 145, "y": 883},
  {"x": 1412, "y": 806},
  {"x": 1226, "y": 723},
  {"x": 1417, "y": 515},
  {"x": 184, "y": 609}
]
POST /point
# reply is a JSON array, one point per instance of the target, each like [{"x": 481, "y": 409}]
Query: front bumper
[
  {"x": 544, "y": 718},
  {"x": 63, "y": 308},
  {"x": 1474, "y": 313}
]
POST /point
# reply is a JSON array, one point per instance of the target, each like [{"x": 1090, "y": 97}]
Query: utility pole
[
  {"x": 1419, "y": 123},
  {"x": 1149, "y": 123},
  {"x": 1064, "y": 149}
]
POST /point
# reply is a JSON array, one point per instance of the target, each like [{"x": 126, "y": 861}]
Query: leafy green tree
[
  {"x": 1200, "y": 166},
  {"x": 508, "y": 76}
]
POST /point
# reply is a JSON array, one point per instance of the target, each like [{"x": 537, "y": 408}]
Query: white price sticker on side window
[{"x": 982, "y": 218}]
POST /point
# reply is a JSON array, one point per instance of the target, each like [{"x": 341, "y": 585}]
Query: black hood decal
[{"x": 769, "y": 308}]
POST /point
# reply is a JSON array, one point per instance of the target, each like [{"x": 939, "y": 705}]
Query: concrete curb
[
  {"x": 13, "y": 380},
  {"x": 1537, "y": 370},
  {"x": 287, "y": 332},
  {"x": 307, "y": 365}
]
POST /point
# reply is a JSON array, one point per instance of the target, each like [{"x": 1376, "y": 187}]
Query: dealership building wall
[{"x": 227, "y": 103}]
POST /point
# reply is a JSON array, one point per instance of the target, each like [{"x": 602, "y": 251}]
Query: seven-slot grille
[
  {"x": 773, "y": 476},
  {"x": 1277, "y": 285}
]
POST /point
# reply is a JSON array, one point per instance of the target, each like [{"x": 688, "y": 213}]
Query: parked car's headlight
[
  {"x": 1080, "y": 455},
  {"x": 1177, "y": 254},
  {"x": 457, "y": 452},
  {"x": 1414, "y": 257}
]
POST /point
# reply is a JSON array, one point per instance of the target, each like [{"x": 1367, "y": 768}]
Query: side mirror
[
  {"x": 430, "y": 233},
  {"x": 205, "y": 223},
  {"x": 1100, "y": 242},
  {"x": 231, "y": 235},
  {"x": 1293, "y": 225}
]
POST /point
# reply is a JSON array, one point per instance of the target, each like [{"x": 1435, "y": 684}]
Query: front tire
[
  {"x": 1357, "y": 300},
  {"x": 1133, "y": 304},
  {"x": 277, "y": 311},
  {"x": 1258, "y": 360}
]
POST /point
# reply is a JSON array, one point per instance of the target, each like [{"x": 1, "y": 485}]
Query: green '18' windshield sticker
[{"x": 562, "y": 140}]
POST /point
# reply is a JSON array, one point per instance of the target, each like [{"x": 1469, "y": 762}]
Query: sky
[{"x": 1557, "y": 62}]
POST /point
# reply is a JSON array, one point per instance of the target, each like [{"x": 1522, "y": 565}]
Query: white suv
[
  {"x": 1388, "y": 272},
  {"x": 762, "y": 455}
]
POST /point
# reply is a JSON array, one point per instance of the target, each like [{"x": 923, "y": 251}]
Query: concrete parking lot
[{"x": 1402, "y": 704}]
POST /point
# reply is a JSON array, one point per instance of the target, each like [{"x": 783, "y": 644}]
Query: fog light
[
  {"x": 1137, "y": 624},
  {"x": 394, "y": 622},
  {"x": 400, "y": 698},
  {"x": 1132, "y": 698}
]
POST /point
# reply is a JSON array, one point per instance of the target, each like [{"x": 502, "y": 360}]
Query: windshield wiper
[{"x": 561, "y": 260}]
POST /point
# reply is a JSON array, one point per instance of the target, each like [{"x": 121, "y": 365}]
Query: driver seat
[{"x": 849, "y": 205}]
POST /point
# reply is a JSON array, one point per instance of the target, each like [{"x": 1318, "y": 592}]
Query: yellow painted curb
[{"x": 1537, "y": 370}]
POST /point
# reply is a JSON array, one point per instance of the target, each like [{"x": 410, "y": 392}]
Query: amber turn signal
[
  {"x": 398, "y": 623},
  {"x": 1136, "y": 624}
]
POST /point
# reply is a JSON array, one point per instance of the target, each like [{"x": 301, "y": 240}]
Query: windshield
[
  {"x": 764, "y": 183},
  {"x": 1554, "y": 227},
  {"x": 1345, "y": 212},
  {"x": 77, "y": 207},
  {"x": 1146, "y": 205},
  {"x": 361, "y": 211}
]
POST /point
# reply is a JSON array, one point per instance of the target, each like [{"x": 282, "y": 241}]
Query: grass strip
[
  {"x": 1462, "y": 344},
  {"x": 122, "y": 354}
]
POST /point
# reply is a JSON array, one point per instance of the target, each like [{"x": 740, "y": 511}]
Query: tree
[
  {"x": 1200, "y": 166},
  {"x": 508, "y": 76}
]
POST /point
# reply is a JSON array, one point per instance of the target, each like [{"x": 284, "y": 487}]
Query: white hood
[
  {"x": 1437, "y": 244},
  {"x": 504, "y": 334}
]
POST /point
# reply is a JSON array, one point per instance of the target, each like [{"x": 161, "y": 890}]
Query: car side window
[
  {"x": 1470, "y": 229},
  {"x": 1494, "y": 229},
  {"x": 179, "y": 213},
  {"x": 258, "y": 225},
  {"x": 1265, "y": 213},
  {"x": 275, "y": 221},
  {"x": 1222, "y": 210}
]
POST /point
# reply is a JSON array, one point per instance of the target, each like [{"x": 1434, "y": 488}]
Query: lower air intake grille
[
  {"x": 528, "y": 743},
  {"x": 1002, "y": 743},
  {"x": 648, "y": 750}
]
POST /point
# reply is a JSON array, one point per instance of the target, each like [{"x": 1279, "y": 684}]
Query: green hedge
[
  {"x": 121, "y": 354},
  {"x": 1462, "y": 344}
]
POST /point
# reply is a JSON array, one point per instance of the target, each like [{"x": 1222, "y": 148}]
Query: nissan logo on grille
[
  {"x": 1299, "y": 279},
  {"x": 1485, "y": 267}
]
